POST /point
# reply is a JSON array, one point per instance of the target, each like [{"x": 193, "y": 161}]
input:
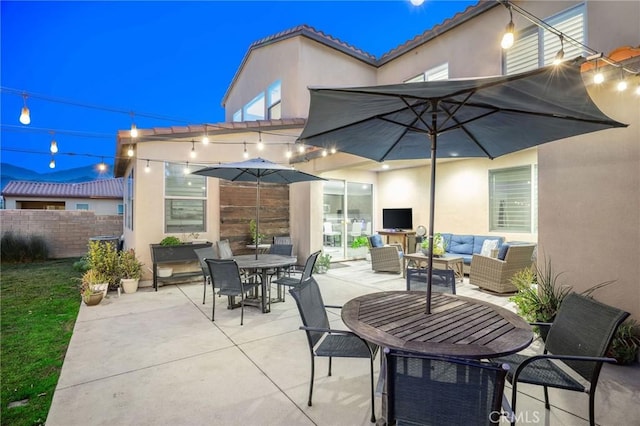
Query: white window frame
[
  {"x": 172, "y": 200},
  {"x": 513, "y": 199},
  {"x": 255, "y": 109},
  {"x": 439, "y": 72},
  {"x": 274, "y": 100}
]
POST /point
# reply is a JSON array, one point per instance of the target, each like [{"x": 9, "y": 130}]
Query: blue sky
[{"x": 165, "y": 59}]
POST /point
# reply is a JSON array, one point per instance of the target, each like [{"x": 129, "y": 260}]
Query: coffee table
[{"x": 455, "y": 263}]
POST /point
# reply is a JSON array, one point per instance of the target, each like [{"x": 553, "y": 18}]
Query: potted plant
[
  {"x": 130, "y": 269},
  {"x": 625, "y": 344},
  {"x": 170, "y": 241},
  {"x": 256, "y": 237},
  {"x": 438, "y": 242},
  {"x": 323, "y": 263},
  {"x": 359, "y": 246},
  {"x": 94, "y": 281},
  {"x": 102, "y": 257}
]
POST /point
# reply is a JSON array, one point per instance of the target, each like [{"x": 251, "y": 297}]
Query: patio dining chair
[
  {"x": 325, "y": 341},
  {"x": 442, "y": 280},
  {"x": 578, "y": 338},
  {"x": 224, "y": 249},
  {"x": 429, "y": 390},
  {"x": 202, "y": 254},
  {"x": 225, "y": 275},
  {"x": 295, "y": 277}
]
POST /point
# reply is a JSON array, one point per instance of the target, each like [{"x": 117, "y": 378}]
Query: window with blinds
[
  {"x": 535, "y": 47},
  {"x": 513, "y": 199},
  {"x": 441, "y": 72},
  {"x": 185, "y": 199}
]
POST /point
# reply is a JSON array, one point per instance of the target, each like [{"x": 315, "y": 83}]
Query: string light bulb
[
  {"x": 333, "y": 150},
  {"x": 147, "y": 168},
  {"x": 260, "y": 144},
  {"x": 205, "y": 138},
  {"x": 325, "y": 152},
  {"x": 134, "y": 129},
  {"x": 622, "y": 84},
  {"x": 102, "y": 167},
  {"x": 52, "y": 163},
  {"x": 301, "y": 148},
  {"x": 130, "y": 151},
  {"x": 54, "y": 145},
  {"x": 560, "y": 55},
  {"x": 638, "y": 90},
  {"x": 193, "y": 154},
  {"x": 25, "y": 115},
  {"x": 508, "y": 36},
  {"x": 288, "y": 153},
  {"x": 245, "y": 154},
  {"x": 186, "y": 169},
  {"x": 598, "y": 77}
]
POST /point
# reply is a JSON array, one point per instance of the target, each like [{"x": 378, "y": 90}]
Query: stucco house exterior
[{"x": 583, "y": 191}]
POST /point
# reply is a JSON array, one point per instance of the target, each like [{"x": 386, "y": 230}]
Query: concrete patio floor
[{"x": 155, "y": 358}]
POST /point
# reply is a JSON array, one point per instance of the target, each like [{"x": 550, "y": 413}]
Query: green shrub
[
  {"x": 103, "y": 258},
  {"x": 20, "y": 248},
  {"x": 170, "y": 241}
]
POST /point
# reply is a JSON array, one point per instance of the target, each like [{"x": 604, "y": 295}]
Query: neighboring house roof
[
  {"x": 332, "y": 42},
  {"x": 101, "y": 188}
]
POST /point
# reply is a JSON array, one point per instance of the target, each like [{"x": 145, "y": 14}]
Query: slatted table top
[{"x": 457, "y": 326}]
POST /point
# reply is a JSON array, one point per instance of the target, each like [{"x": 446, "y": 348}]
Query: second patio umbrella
[
  {"x": 481, "y": 117},
  {"x": 257, "y": 170}
]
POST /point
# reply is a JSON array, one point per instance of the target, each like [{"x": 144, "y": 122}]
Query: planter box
[{"x": 174, "y": 254}]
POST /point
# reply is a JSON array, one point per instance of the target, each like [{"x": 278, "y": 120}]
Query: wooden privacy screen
[{"x": 238, "y": 207}]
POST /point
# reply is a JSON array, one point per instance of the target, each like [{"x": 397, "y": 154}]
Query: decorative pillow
[
  {"x": 487, "y": 246},
  {"x": 502, "y": 253},
  {"x": 376, "y": 241}
]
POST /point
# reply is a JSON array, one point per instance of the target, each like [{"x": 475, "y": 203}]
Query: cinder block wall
[{"x": 67, "y": 232}]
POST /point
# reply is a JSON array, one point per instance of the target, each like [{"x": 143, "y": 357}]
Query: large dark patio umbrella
[
  {"x": 257, "y": 170},
  {"x": 482, "y": 117}
]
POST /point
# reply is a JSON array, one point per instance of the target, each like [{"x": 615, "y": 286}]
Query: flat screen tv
[{"x": 397, "y": 219}]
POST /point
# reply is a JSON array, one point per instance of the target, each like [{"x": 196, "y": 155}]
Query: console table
[
  {"x": 174, "y": 254},
  {"x": 404, "y": 235}
]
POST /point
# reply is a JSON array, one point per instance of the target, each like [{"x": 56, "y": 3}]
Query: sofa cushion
[
  {"x": 446, "y": 239},
  {"x": 502, "y": 253},
  {"x": 461, "y": 244},
  {"x": 487, "y": 246},
  {"x": 376, "y": 240}
]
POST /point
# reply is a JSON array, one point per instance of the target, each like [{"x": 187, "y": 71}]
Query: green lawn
[{"x": 39, "y": 304}]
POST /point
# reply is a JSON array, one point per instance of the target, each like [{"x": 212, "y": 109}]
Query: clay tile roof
[{"x": 101, "y": 188}]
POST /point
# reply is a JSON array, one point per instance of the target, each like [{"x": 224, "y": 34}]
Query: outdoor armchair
[
  {"x": 225, "y": 275},
  {"x": 495, "y": 274},
  {"x": 325, "y": 341},
  {"x": 384, "y": 258},
  {"x": 429, "y": 390},
  {"x": 578, "y": 338}
]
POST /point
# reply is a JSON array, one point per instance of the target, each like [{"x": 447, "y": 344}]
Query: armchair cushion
[
  {"x": 502, "y": 253},
  {"x": 376, "y": 241},
  {"x": 487, "y": 246}
]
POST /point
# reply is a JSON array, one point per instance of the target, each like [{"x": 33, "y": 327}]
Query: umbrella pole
[
  {"x": 257, "y": 217},
  {"x": 434, "y": 142}
]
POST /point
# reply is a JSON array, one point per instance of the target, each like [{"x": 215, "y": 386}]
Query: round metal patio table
[{"x": 263, "y": 263}]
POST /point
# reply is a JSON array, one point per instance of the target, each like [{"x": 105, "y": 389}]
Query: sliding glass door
[{"x": 347, "y": 217}]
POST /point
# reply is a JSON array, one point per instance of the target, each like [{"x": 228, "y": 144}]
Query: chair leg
[
  {"x": 373, "y": 410},
  {"x": 592, "y": 398},
  {"x": 241, "y": 309},
  {"x": 514, "y": 393},
  {"x": 312, "y": 376},
  {"x": 204, "y": 293},
  {"x": 213, "y": 303},
  {"x": 329, "y": 366},
  {"x": 546, "y": 398}
]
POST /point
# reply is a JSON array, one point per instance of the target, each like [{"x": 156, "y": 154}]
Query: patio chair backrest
[
  {"x": 224, "y": 249},
  {"x": 311, "y": 308},
  {"x": 442, "y": 280},
  {"x": 583, "y": 327},
  {"x": 283, "y": 240},
  {"x": 225, "y": 275},
  {"x": 308, "y": 266},
  {"x": 432, "y": 390},
  {"x": 281, "y": 249},
  {"x": 202, "y": 254}
]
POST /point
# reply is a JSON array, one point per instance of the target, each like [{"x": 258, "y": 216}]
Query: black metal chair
[
  {"x": 295, "y": 278},
  {"x": 205, "y": 253},
  {"x": 225, "y": 275},
  {"x": 578, "y": 337},
  {"x": 443, "y": 281},
  {"x": 428, "y": 390},
  {"x": 325, "y": 341}
]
